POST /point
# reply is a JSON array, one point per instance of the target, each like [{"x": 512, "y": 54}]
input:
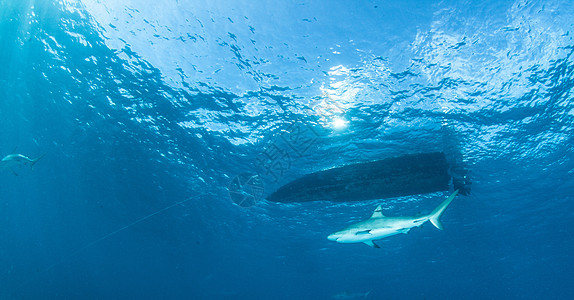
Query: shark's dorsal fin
[{"x": 378, "y": 213}]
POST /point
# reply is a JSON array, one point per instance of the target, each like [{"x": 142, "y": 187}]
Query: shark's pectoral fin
[{"x": 372, "y": 244}]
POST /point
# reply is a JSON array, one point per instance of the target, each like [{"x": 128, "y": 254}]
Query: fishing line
[
  {"x": 130, "y": 225},
  {"x": 75, "y": 252}
]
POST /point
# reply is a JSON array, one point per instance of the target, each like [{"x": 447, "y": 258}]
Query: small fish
[{"x": 348, "y": 295}]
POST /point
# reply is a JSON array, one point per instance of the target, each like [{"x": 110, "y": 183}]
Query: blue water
[{"x": 147, "y": 110}]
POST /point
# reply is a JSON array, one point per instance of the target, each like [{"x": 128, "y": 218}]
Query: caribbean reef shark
[
  {"x": 12, "y": 160},
  {"x": 379, "y": 226}
]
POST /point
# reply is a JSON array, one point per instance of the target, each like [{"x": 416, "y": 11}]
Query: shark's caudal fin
[
  {"x": 440, "y": 209},
  {"x": 34, "y": 161}
]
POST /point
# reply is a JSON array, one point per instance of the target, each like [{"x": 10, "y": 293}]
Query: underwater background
[{"x": 150, "y": 114}]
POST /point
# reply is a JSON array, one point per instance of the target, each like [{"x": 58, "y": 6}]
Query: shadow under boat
[{"x": 406, "y": 175}]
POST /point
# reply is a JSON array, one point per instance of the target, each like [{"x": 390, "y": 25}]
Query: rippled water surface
[{"x": 149, "y": 112}]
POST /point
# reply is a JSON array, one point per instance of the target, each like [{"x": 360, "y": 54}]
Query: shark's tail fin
[
  {"x": 34, "y": 161},
  {"x": 440, "y": 209}
]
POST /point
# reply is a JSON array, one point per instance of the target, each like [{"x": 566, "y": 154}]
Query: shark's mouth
[{"x": 333, "y": 237}]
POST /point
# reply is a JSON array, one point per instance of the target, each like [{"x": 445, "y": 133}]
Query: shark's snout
[{"x": 333, "y": 236}]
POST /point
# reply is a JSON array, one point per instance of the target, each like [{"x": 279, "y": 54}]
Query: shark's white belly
[{"x": 382, "y": 233}]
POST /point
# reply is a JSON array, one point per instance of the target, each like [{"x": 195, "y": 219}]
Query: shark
[
  {"x": 16, "y": 159},
  {"x": 350, "y": 295},
  {"x": 379, "y": 226}
]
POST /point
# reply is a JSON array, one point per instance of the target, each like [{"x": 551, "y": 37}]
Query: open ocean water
[{"x": 150, "y": 116}]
